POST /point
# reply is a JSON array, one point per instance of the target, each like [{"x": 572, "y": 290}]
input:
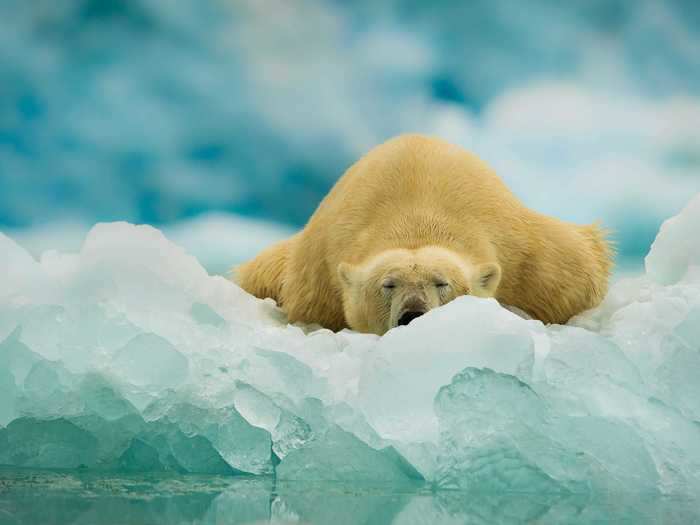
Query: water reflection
[{"x": 40, "y": 497}]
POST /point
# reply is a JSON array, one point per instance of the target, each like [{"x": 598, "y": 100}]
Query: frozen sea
[{"x": 135, "y": 387}]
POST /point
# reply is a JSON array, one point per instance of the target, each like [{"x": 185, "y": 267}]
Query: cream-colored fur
[{"x": 427, "y": 212}]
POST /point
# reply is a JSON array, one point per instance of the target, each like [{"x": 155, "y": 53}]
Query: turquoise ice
[{"x": 127, "y": 357}]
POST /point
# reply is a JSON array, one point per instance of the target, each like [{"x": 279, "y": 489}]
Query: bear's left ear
[
  {"x": 346, "y": 272},
  {"x": 486, "y": 279}
]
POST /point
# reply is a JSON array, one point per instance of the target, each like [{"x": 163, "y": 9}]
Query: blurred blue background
[{"x": 192, "y": 114}]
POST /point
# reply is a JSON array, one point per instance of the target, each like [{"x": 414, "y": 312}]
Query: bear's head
[{"x": 396, "y": 286}]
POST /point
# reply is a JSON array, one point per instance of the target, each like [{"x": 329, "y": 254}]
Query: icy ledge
[{"x": 128, "y": 356}]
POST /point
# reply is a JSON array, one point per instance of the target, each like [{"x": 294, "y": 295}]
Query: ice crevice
[{"x": 128, "y": 356}]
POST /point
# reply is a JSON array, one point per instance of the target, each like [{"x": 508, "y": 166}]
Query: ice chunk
[
  {"x": 193, "y": 454},
  {"x": 340, "y": 456},
  {"x": 490, "y": 425},
  {"x": 81, "y": 336},
  {"x": 148, "y": 360},
  {"x": 205, "y": 315},
  {"x": 140, "y": 456},
  {"x": 500, "y": 434},
  {"x": 16, "y": 360},
  {"x": 53, "y": 443},
  {"x": 676, "y": 376},
  {"x": 395, "y": 391},
  {"x": 129, "y": 356},
  {"x": 8, "y": 397},
  {"x": 113, "y": 437},
  {"x": 101, "y": 398},
  {"x": 242, "y": 446},
  {"x": 288, "y": 431},
  {"x": 53, "y": 390},
  {"x": 676, "y": 249}
]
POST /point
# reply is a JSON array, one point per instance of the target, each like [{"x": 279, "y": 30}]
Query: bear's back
[
  {"x": 408, "y": 192},
  {"x": 413, "y": 170}
]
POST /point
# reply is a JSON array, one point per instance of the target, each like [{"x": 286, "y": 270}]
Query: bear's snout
[
  {"x": 407, "y": 317},
  {"x": 412, "y": 305}
]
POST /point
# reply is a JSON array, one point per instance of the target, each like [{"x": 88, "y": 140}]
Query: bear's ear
[
  {"x": 486, "y": 279},
  {"x": 346, "y": 272}
]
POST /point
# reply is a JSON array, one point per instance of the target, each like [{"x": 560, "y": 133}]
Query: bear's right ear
[
  {"x": 346, "y": 272},
  {"x": 486, "y": 280}
]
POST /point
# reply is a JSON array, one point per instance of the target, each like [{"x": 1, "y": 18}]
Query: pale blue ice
[{"x": 128, "y": 357}]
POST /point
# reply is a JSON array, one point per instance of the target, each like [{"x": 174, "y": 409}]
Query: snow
[{"x": 128, "y": 356}]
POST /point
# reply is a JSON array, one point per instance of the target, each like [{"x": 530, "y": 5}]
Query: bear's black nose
[{"x": 407, "y": 317}]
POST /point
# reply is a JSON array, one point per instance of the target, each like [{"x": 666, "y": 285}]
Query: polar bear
[{"x": 414, "y": 224}]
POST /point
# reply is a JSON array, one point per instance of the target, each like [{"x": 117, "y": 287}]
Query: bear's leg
[{"x": 264, "y": 276}]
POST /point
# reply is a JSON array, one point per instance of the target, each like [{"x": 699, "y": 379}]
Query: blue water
[{"x": 46, "y": 497}]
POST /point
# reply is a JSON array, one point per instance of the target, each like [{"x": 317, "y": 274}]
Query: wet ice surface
[{"x": 128, "y": 357}]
